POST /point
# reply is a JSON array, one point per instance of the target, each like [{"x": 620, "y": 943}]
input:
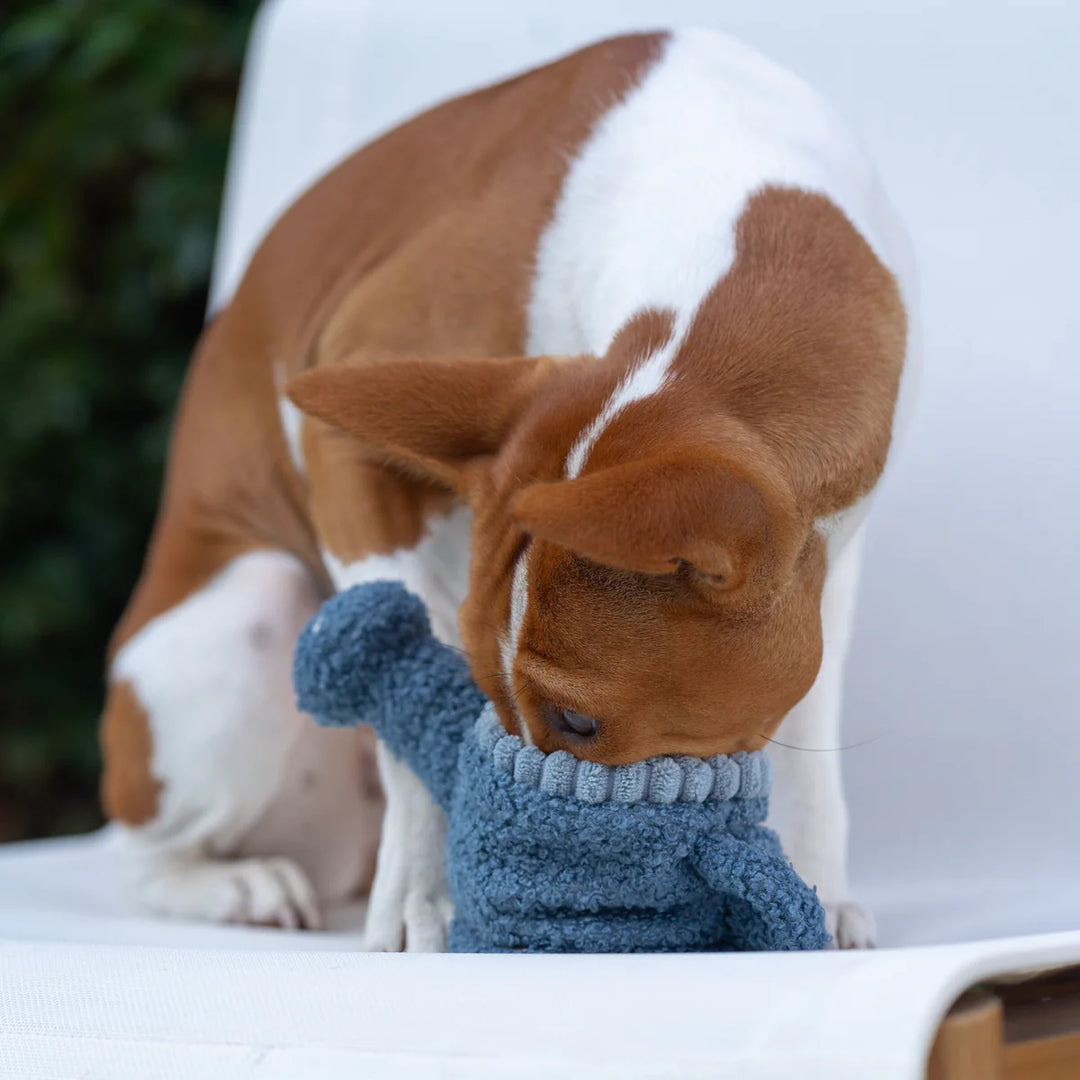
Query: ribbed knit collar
[{"x": 676, "y": 779}]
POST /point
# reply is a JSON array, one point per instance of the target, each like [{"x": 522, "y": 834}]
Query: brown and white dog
[{"x": 602, "y": 362}]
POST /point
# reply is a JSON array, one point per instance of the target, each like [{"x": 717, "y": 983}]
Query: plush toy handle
[
  {"x": 369, "y": 657},
  {"x": 769, "y": 907}
]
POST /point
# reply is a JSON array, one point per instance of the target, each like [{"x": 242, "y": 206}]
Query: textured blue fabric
[{"x": 546, "y": 853}]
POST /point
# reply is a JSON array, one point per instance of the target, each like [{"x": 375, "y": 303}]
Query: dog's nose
[{"x": 567, "y": 722}]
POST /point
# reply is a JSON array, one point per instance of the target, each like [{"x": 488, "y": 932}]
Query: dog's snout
[{"x": 567, "y": 722}]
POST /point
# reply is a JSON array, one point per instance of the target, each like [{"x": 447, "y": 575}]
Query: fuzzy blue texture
[{"x": 546, "y": 853}]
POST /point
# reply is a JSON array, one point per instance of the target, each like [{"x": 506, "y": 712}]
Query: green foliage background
[{"x": 114, "y": 125}]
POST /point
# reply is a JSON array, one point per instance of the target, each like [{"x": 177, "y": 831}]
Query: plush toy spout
[{"x": 369, "y": 657}]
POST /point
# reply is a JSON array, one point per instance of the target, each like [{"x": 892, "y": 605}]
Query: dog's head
[{"x": 647, "y": 560}]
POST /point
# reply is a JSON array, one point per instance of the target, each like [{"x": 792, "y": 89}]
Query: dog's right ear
[{"x": 436, "y": 416}]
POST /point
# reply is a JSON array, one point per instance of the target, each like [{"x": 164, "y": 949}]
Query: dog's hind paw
[{"x": 253, "y": 892}]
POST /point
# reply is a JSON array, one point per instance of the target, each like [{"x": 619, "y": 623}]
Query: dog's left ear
[
  {"x": 436, "y": 416},
  {"x": 654, "y": 514}
]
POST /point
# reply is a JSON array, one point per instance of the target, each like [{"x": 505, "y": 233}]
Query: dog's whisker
[
  {"x": 823, "y": 749},
  {"x": 514, "y": 689}
]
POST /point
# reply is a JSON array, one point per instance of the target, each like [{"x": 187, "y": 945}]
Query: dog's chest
[{"x": 436, "y": 569}]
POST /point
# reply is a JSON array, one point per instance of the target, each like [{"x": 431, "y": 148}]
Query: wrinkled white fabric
[{"x": 88, "y": 991}]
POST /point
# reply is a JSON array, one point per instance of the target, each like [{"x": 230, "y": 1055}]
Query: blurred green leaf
[{"x": 115, "y": 119}]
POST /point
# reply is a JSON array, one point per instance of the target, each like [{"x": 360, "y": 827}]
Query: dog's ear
[
  {"x": 435, "y": 416},
  {"x": 655, "y": 514}
]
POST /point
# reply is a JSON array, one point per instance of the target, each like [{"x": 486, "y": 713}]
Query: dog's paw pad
[{"x": 850, "y": 925}]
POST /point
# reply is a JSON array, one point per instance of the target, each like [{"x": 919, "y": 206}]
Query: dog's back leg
[{"x": 237, "y": 808}]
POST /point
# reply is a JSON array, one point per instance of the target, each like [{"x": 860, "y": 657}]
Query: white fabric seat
[
  {"x": 89, "y": 990},
  {"x": 962, "y": 686}
]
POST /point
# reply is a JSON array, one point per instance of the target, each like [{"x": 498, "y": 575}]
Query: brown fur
[
  {"x": 675, "y": 586},
  {"x": 128, "y": 790},
  {"x": 420, "y": 243}
]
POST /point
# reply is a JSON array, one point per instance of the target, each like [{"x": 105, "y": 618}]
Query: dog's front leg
[
  {"x": 409, "y": 907},
  {"x": 808, "y": 808}
]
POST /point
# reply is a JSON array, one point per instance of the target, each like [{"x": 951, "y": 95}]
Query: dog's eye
[
  {"x": 691, "y": 570},
  {"x": 568, "y": 722},
  {"x": 579, "y": 723}
]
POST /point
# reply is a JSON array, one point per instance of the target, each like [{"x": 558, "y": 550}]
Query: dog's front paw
[
  {"x": 427, "y": 920},
  {"x": 418, "y": 923},
  {"x": 850, "y": 925}
]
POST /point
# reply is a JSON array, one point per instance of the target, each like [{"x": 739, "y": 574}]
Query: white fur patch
[
  {"x": 511, "y": 640},
  {"x": 292, "y": 421},
  {"x": 647, "y": 377},
  {"x": 212, "y": 675},
  {"x": 838, "y": 529},
  {"x": 647, "y": 214},
  {"x": 437, "y": 570}
]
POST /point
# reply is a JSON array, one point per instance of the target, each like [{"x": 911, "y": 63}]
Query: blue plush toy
[{"x": 547, "y": 853}]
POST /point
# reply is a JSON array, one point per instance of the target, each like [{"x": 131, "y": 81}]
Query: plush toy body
[{"x": 547, "y": 853}]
